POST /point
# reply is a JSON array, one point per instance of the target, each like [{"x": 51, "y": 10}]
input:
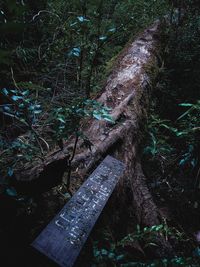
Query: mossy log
[{"x": 127, "y": 91}]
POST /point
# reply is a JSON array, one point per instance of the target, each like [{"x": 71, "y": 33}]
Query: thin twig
[
  {"x": 69, "y": 165},
  {"x": 11, "y": 69}
]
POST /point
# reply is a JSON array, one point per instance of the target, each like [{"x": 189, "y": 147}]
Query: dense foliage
[
  {"x": 173, "y": 126},
  {"x": 54, "y": 58},
  {"x": 67, "y": 45}
]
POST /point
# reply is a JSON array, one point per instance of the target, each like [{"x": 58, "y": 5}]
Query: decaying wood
[
  {"x": 123, "y": 92},
  {"x": 127, "y": 92}
]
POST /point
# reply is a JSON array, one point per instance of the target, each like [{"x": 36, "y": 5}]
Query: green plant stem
[{"x": 70, "y": 165}]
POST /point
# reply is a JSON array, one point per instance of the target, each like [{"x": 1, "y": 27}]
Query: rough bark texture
[{"x": 127, "y": 92}]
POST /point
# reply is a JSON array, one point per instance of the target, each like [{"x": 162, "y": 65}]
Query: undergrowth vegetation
[
  {"x": 54, "y": 57},
  {"x": 125, "y": 252},
  {"x": 171, "y": 157}
]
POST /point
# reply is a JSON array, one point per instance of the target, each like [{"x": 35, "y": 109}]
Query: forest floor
[{"x": 166, "y": 163}]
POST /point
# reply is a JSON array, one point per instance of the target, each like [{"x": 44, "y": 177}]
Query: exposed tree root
[{"x": 148, "y": 213}]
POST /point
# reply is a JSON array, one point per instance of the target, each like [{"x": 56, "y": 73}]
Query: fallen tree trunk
[{"x": 127, "y": 92}]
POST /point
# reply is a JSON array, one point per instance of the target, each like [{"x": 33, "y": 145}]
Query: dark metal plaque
[{"x": 64, "y": 237}]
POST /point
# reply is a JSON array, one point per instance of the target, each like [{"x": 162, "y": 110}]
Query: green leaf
[
  {"x": 96, "y": 253},
  {"x": 150, "y": 244},
  {"x": 16, "y": 97},
  {"x": 180, "y": 133},
  {"x": 97, "y": 116},
  {"x": 11, "y": 192},
  {"x": 102, "y": 38},
  {"x": 82, "y": 19},
  {"x": 159, "y": 227},
  {"x": 197, "y": 252},
  {"x": 108, "y": 118},
  {"x": 138, "y": 228},
  {"x": 10, "y": 171},
  {"x": 75, "y": 52},
  {"x": 104, "y": 252},
  {"x": 26, "y": 92},
  {"x": 37, "y": 111},
  {"x": 112, "y": 30},
  {"x": 61, "y": 118},
  {"x": 5, "y": 91},
  {"x": 111, "y": 255},
  {"x": 7, "y": 108},
  {"x": 186, "y": 105},
  {"x": 153, "y": 228},
  {"x": 120, "y": 257}
]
